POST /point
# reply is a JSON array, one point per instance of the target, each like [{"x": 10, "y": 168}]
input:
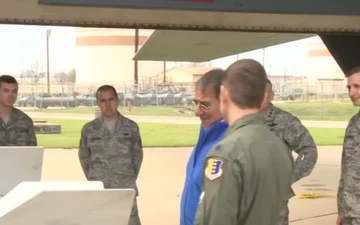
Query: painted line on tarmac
[{"x": 313, "y": 217}]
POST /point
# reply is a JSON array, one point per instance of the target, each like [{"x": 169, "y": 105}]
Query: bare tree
[
  {"x": 71, "y": 76},
  {"x": 60, "y": 77},
  {"x": 64, "y": 78},
  {"x": 35, "y": 73}
]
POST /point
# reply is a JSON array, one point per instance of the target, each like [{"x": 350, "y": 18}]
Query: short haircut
[
  {"x": 211, "y": 82},
  {"x": 352, "y": 71},
  {"x": 246, "y": 81},
  {"x": 7, "y": 79},
  {"x": 106, "y": 88}
]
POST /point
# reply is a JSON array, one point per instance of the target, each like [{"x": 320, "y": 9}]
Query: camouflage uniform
[
  {"x": 349, "y": 191},
  {"x": 351, "y": 221},
  {"x": 18, "y": 131},
  {"x": 113, "y": 158},
  {"x": 298, "y": 139}
]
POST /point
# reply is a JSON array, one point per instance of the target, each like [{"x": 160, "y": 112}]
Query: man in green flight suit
[{"x": 247, "y": 176}]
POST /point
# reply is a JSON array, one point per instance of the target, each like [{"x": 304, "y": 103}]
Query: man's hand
[{"x": 339, "y": 220}]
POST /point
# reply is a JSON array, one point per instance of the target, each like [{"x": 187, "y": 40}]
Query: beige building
[
  {"x": 323, "y": 71},
  {"x": 321, "y": 66},
  {"x": 179, "y": 74},
  {"x": 105, "y": 56}
]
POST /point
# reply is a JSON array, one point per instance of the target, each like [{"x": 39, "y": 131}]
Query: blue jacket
[{"x": 194, "y": 171}]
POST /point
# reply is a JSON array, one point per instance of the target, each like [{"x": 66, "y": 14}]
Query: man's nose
[
  {"x": 198, "y": 110},
  {"x": 352, "y": 92}
]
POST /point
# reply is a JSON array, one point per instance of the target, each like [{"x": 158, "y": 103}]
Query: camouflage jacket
[
  {"x": 113, "y": 158},
  {"x": 349, "y": 190},
  {"x": 18, "y": 131},
  {"x": 297, "y": 138}
]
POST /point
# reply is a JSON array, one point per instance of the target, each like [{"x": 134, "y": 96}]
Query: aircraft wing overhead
[{"x": 199, "y": 46}]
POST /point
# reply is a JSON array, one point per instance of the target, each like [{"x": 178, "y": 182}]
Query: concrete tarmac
[{"x": 162, "y": 176}]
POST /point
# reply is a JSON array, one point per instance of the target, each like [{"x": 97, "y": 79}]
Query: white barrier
[{"x": 66, "y": 203}]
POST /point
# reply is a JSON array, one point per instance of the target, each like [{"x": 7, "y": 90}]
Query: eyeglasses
[{"x": 202, "y": 105}]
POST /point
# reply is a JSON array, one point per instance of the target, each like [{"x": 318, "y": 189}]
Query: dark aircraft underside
[{"x": 336, "y": 22}]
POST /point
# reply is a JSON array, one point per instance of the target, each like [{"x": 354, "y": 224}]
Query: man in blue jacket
[{"x": 212, "y": 130}]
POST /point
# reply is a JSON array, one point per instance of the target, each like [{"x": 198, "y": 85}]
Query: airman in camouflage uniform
[
  {"x": 349, "y": 189},
  {"x": 16, "y": 128},
  {"x": 297, "y": 138},
  {"x": 110, "y": 148}
]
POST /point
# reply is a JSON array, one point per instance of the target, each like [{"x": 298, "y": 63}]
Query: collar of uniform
[
  {"x": 117, "y": 118},
  {"x": 119, "y": 122},
  {"x": 13, "y": 116},
  {"x": 355, "y": 121},
  {"x": 220, "y": 124},
  {"x": 270, "y": 113},
  {"x": 100, "y": 119},
  {"x": 253, "y": 118}
]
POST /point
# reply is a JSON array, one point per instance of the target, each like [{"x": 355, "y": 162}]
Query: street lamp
[
  {"x": 48, "y": 33},
  {"x": 136, "y": 75},
  {"x": 22, "y": 75}
]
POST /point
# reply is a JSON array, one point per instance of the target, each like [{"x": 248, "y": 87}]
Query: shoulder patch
[{"x": 213, "y": 168}]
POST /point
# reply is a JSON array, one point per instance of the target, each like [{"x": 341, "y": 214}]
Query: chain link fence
[
  {"x": 74, "y": 95},
  {"x": 174, "y": 99},
  {"x": 310, "y": 92}
]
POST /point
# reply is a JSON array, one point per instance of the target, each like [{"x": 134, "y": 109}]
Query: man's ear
[
  {"x": 271, "y": 95},
  {"x": 224, "y": 95}
]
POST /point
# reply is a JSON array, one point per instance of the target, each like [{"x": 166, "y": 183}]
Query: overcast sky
[{"x": 23, "y": 46}]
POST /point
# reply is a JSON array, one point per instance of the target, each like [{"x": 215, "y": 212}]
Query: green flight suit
[{"x": 247, "y": 176}]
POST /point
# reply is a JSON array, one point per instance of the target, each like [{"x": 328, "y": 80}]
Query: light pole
[
  {"x": 164, "y": 75},
  {"x": 48, "y": 33},
  {"x": 136, "y": 75},
  {"x": 23, "y": 63}
]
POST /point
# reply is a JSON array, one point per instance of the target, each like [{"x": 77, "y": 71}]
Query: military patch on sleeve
[{"x": 213, "y": 168}]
